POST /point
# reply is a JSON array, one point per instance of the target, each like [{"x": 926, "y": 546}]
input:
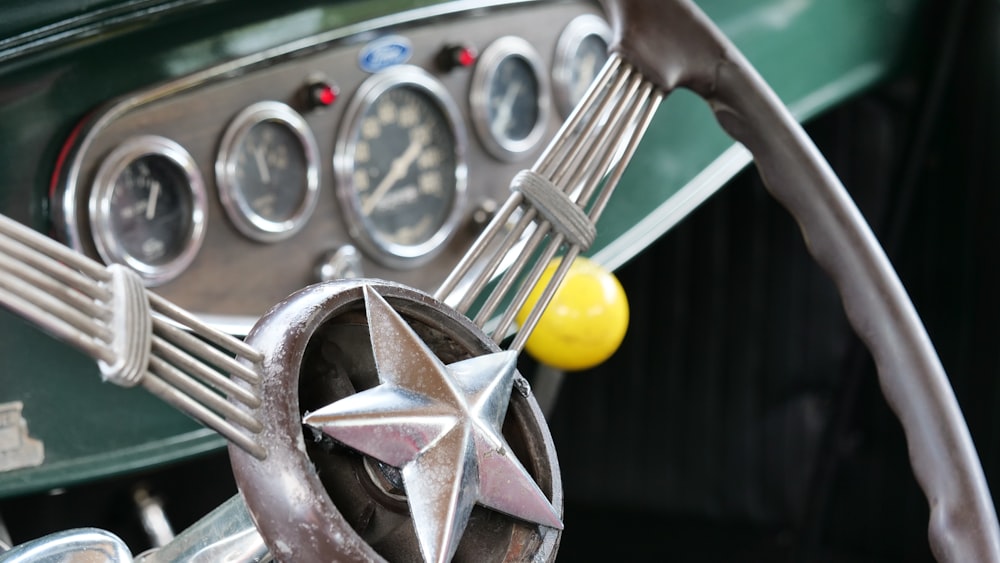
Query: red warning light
[{"x": 322, "y": 94}]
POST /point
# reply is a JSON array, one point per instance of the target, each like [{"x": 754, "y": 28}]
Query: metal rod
[
  {"x": 56, "y": 269},
  {"x": 219, "y": 338},
  {"x": 204, "y": 351},
  {"x": 544, "y": 299},
  {"x": 69, "y": 295},
  {"x": 61, "y": 253},
  {"x": 54, "y": 307},
  {"x": 494, "y": 227},
  {"x": 186, "y": 384},
  {"x": 57, "y": 327},
  {"x": 199, "y": 412},
  {"x": 510, "y": 276},
  {"x": 174, "y": 355},
  {"x": 496, "y": 258},
  {"x": 533, "y": 276}
]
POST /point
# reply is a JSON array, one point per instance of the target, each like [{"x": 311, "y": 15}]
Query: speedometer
[{"x": 400, "y": 166}]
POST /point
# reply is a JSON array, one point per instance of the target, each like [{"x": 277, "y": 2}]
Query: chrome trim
[
  {"x": 83, "y": 544},
  {"x": 388, "y": 253},
  {"x": 238, "y": 209},
  {"x": 99, "y": 206},
  {"x": 504, "y": 147},
  {"x": 575, "y": 33},
  {"x": 64, "y": 199}
]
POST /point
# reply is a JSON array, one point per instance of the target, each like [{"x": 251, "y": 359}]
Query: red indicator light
[
  {"x": 451, "y": 57},
  {"x": 322, "y": 94},
  {"x": 326, "y": 95},
  {"x": 465, "y": 56}
]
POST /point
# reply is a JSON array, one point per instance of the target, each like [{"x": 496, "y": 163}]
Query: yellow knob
[{"x": 585, "y": 322}]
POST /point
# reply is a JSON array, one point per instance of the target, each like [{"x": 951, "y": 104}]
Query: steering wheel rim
[{"x": 674, "y": 45}]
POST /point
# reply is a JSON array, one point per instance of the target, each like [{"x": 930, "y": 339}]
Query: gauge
[
  {"x": 400, "y": 166},
  {"x": 510, "y": 98},
  {"x": 147, "y": 208},
  {"x": 268, "y": 172},
  {"x": 580, "y": 54}
]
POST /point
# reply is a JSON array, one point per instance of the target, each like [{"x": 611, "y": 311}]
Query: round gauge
[
  {"x": 147, "y": 208},
  {"x": 400, "y": 166},
  {"x": 268, "y": 172},
  {"x": 580, "y": 54},
  {"x": 510, "y": 98}
]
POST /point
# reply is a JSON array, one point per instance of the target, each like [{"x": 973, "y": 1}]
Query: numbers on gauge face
[
  {"x": 148, "y": 208},
  {"x": 401, "y": 171},
  {"x": 405, "y": 167},
  {"x": 268, "y": 172},
  {"x": 581, "y": 52},
  {"x": 269, "y": 159},
  {"x": 510, "y": 98}
]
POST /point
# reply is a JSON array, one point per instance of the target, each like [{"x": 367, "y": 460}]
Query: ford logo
[{"x": 385, "y": 52}]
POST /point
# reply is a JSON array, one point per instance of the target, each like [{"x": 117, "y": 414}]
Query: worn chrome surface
[
  {"x": 71, "y": 296},
  {"x": 582, "y": 166},
  {"x": 227, "y": 175},
  {"x": 318, "y": 344},
  {"x": 441, "y": 426},
  {"x": 225, "y": 534},
  {"x": 102, "y": 207},
  {"x": 85, "y": 545}
]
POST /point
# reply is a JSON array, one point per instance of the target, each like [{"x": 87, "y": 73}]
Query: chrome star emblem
[{"x": 441, "y": 426}]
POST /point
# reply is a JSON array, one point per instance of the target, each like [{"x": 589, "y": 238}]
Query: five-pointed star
[{"x": 440, "y": 424}]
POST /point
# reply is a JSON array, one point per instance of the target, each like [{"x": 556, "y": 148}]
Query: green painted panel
[{"x": 815, "y": 52}]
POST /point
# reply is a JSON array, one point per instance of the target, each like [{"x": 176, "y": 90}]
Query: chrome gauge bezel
[
  {"x": 387, "y": 253},
  {"x": 575, "y": 33},
  {"x": 108, "y": 246},
  {"x": 501, "y": 147},
  {"x": 242, "y": 215}
]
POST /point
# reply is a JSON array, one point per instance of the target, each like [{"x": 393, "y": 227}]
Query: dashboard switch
[
  {"x": 344, "y": 262},
  {"x": 322, "y": 94},
  {"x": 456, "y": 56}
]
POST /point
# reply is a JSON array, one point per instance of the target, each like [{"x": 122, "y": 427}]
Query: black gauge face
[
  {"x": 268, "y": 171},
  {"x": 512, "y": 109},
  {"x": 588, "y": 60},
  {"x": 271, "y": 171},
  {"x": 148, "y": 208},
  {"x": 151, "y": 210},
  {"x": 510, "y": 98},
  {"x": 405, "y": 167}
]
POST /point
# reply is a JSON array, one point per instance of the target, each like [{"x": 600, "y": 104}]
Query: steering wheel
[
  {"x": 674, "y": 45},
  {"x": 305, "y": 346}
]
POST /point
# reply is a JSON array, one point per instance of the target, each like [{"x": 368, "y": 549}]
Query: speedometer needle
[
  {"x": 397, "y": 170},
  {"x": 154, "y": 195}
]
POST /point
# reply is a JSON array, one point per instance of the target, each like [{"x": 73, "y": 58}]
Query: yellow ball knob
[{"x": 585, "y": 322}]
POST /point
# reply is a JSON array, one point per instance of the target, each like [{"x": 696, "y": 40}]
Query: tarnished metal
[
  {"x": 84, "y": 545},
  {"x": 317, "y": 349},
  {"x": 441, "y": 425}
]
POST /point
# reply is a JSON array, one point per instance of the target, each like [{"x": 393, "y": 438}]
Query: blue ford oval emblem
[{"x": 385, "y": 52}]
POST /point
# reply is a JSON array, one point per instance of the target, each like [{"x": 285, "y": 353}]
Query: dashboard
[{"x": 376, "y": 150}]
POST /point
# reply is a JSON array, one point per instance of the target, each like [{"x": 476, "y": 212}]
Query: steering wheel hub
[{"x": 328, "y": 358}]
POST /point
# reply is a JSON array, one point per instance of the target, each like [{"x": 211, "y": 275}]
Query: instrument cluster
[{"x": 375, "y": 152}]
